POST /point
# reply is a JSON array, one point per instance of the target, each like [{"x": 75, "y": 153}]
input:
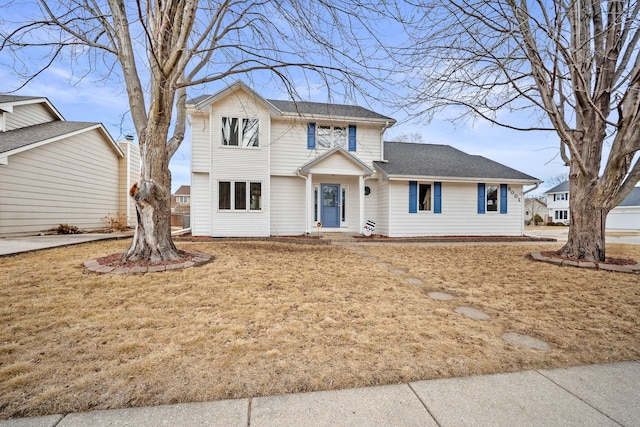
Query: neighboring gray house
[
  {"x": 56, "y": 172},
  {"x": 265, "y": 167},
  {"x": 625, "y": 216}
]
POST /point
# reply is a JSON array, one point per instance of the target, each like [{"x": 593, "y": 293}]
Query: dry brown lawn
[{"x": 269, "y": 318}]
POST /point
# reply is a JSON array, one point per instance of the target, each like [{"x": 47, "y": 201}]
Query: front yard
[{"x": 270, "y": 318}]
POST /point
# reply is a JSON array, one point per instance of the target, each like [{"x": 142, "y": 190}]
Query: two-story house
[
  {"x": 54, "y": 171},
  {"x": 625, "y": 216},
  {"x": 265, "y": 167},
  {"x": 558, "y": 203}
]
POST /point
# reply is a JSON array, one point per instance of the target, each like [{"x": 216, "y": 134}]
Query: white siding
[
  {"x": 371, "y": 203},
  {"x": 200, "y": 204},
  {"x": 72, "y": 181},
  {"x": 382, "y": 225},
  {"x": 459, "y": 215},
  {"x": 288, "y": 206},
  {"x": 128, "y": 174},
  {"x": 28, "y": 115},
  {"x": 239, "y": 164},
  {"x": 200, "y": 143},
  {"x": 289, "y": 145},
  {"x": 624, "y": 218}
]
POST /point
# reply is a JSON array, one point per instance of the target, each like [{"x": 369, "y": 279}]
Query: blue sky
[{"x": 534, "y": 153}]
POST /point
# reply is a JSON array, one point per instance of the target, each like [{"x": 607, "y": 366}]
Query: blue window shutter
[
  {"x": 481, "y": 196},
  {"x": 413, "y": 196},
  {"x": 311, "y": 136},
  {"x": 437, "y": 197},
  {"x": 352, "y": 137},
  {"x": 503, "y": 198}
]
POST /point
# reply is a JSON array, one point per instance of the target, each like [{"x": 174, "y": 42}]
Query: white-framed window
[
  {"x": 425, "y": 197},
  {"x": 561, "y": 215},
  {"x": 239, "y": 196},
  {"x": 183, "y": 199},
  {"x": 331, "y": 136},
  {"x": 240, "y": 132},
  {"x": 344, "y": 197},
  {"x": 492, "y": 198},
  {"x": 561, "y": 196}
]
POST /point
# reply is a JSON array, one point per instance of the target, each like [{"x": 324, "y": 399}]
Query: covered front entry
[
  {"x": 335, "y": 191},
  {"x": 330, "y": 205}
]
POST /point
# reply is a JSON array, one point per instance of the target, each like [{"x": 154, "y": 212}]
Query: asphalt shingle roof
[
  {"x": 633, "y": 199},
  {"x": 23, "y": 137},
  {"x": 13, "y": 98},
  {"x": 563, "y": 187},
  {"x": 315, "y": 109},
  {"x": 322, "y": 109},
  {"x": 410, "y": 159}
]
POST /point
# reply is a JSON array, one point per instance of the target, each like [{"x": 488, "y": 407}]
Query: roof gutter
[{"x": 536, "y": 185}]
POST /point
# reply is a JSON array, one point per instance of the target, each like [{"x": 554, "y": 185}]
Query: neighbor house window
[
  {"x": 237, "y": 132},
  {"x": 183, "y": 199},
  {"x": 561, "y": 215},
  {"x": 424, "y": 197},
  {"x": 241, "y": 197}
]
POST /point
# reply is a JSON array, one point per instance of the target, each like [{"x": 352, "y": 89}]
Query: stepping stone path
[
  {"x": 440, "y": 296},
  {"x": 472, "y": 313},
  {"x": 526, "y": 341}
]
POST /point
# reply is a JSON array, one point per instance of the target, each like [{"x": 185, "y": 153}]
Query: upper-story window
[
  {"x": 331, "y": 136},
  {"x": 561, "y": 196},
  {"x": 238, "y": 132},
  {"x": 324, "y": 136}
]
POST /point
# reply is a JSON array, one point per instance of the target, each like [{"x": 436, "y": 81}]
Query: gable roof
[
  {"x": 563, "y": 187},
  {"x": 183, "y": 190},
  {"x": 405, "y": 160},
  {"x": 336, "y": 150},
  {"x": 22, "y": 139},
  {"x": 7, "y": 102},
  {"x": 295, "y": 108},
  {"x": 633, "y": 199}
]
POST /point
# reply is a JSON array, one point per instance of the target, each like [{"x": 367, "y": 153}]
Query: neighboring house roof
[
  {"x": 17, "y": 140},
  {"x": 563, "y": 187},
  {"x": 633, "y": 199},
  {"x": 7, "y": 102},
  {"x": 442, "y": 161},
  {"x": 184, "y": 190},
  {"x": 297, "y": 108}
]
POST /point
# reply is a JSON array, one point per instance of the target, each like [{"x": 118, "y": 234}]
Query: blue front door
[{"x": 330, "y": 205}]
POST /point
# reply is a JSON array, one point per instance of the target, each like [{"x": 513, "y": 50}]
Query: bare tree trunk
[{"x": 587, "y": 222}]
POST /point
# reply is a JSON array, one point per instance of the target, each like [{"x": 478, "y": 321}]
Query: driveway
[{"x": 561, "y": 233}]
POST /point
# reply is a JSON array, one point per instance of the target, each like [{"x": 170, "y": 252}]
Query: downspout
[
  {"x": 306, "y": 201},
  {"x": 537, "y": 184}
]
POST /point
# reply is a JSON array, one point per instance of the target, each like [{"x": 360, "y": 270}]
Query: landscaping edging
[
  {"x": 197, "y": 258},
  {"x": 558, "y": 260}
]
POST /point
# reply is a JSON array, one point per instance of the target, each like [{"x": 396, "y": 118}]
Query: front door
[{"x": 330, "y": 214}]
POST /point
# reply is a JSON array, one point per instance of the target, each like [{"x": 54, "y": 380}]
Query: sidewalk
[
  {"x": 14, "y": 245},
  {"x": 594, "y": 395}
]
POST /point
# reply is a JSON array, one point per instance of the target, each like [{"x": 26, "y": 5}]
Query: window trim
[
  {"x": 240, "y": 133},
  {"x": 233, "y": 194},
  {"x": 348, "y": 140}
]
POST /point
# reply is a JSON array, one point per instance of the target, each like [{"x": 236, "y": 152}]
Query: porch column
[
  {"x": 309, "y": 200},
  {"x": 361, "y": 196}
]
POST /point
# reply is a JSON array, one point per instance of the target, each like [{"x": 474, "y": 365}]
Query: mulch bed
[
  {"x": 115, "y": 260},
  {"x": 614, "y": 261}
]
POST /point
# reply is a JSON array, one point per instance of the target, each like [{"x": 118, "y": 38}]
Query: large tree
[
  {"x": 575, "y": 62},
  {"x": 160, "y": 48}
]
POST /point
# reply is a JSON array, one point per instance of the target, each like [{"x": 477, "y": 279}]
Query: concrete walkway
[
  {"x": 14, "y": 245},
  {"x": 595, "y": 395}
]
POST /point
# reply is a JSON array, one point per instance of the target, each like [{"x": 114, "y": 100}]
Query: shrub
[
  {"x": 67, "y": 229},
  {"x": 537, "y": 219},
  {"x": 117, "y": 222}
]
